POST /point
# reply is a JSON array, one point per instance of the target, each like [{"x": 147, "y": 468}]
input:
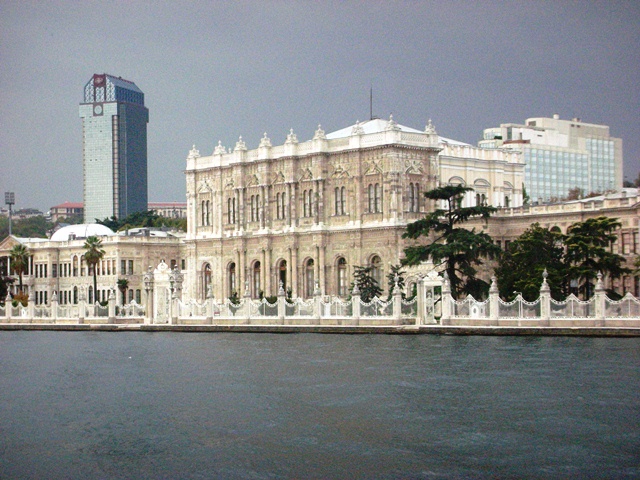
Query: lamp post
[{"x": 9, "y": 199}]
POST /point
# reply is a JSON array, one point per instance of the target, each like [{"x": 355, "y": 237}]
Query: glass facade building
[
  {"x": 561, "y": 156},
  {"x": 114, "y": 150}
]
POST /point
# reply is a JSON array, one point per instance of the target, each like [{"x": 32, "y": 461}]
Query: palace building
[{"x": 304, "y": 214}]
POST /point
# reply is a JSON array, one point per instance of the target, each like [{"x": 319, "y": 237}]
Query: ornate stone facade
[{"x": 305, "y": 214}]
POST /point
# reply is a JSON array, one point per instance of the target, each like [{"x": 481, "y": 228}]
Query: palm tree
[
  {"x": 123, "y": 284},
  {"x": 93, "y": 255},
  {"x": 19, "y": 260}
]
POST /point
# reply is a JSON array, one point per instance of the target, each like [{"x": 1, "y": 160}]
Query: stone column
[
  {"x": 355, "y": 305},
  {"x": 317, "y": 302},
  {"x": 421, "y": 312},
  {"x": 446, "y": 301},
  {"x": 397, "y": 302},
  {"x": 112, "y": 306},
  {"x": 210, "y": 305},
  {"x": 82, "y": 306},
  {"x": 8, "y": 307},
  {"x": 54, "y": 307},
  {"x": 31, "y": 307},
  {"x": 494, "y": 301},
  {"x": 545, "y": 301},
  {"x": 148, "y": 287},
  {"x": 600, "y": 296}
]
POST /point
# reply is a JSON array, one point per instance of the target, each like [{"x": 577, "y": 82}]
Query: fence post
[
  {"x": 31, "y": 307},
  {"x": 148, "y": 281},
  {"x": 317, "y": 298},
  {"x": 494, "y": 301},
  {"x": 8, "y": 307},
  {"x": 282, "y": 309},
  {"x": 112, "y": 306},
  {"x": 174, "y": 308},
  {"x": 210, "y": 300},
  {"x": 247, "y": 301},
  {"x": 446, "y": 301},
  {"x": 421, "y": 309},
  {"x": 82, "y": 308},
  {"x": 397, "y": 303},
  {"x": 355, "y": 304},
  {"x": 54, "y": 307},
  {"x": 600, "y": 296},
  {"x": 545, "y": 301}
]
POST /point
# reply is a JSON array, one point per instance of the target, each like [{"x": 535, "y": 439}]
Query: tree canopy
[
  {"x": 461, "y": 250},
  {"x": 520, "y": 267},
  {"x": 19, "y": 261},
  {"x": 577, "y": 256},
  {"x": 147, "y": 218},
  {"x": 367, "y": 284}
]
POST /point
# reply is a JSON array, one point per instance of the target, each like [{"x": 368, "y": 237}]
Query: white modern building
[{"x": 561, "y": 155}]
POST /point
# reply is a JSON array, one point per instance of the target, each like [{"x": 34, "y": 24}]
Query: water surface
[{"x": 106, "y": 405}]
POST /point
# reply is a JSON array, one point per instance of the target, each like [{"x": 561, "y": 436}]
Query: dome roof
[{"x": 81, "y": 231}]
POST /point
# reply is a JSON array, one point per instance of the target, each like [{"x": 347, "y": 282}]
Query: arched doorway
[
  {"x": 309, "y": 278},
  {"x": 206, "y": 280}
]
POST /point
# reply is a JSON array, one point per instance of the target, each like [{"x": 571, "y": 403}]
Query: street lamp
[{"x": 9, "y": 199}]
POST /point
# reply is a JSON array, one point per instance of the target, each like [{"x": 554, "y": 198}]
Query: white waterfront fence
[{"x": 424, "y": 309}]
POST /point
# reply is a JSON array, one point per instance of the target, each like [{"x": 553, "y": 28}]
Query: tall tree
[
  {"x": 367, "y": 284},
  {"x": 19, "y": 261},
  {"x": 459, "y": 249},
  {"x": 588, "y": 252},
  {"x": 93, "y": 254},
  {"x": 520, "y": 267}
]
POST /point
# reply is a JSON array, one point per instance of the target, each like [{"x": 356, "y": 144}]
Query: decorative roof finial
[
  {"x": 430, "y": 128},
  {"x": 319, "y": 135},
  {"x": 240, "y": 145},
  {"x": 292, "y": 137},
  {"x": 219, "y": 150},
  {"x": 265, "y": 141}
]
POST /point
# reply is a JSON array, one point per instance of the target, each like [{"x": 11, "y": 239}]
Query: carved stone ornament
[
  {"x": 230, "y": 185},
  {"x": 204, "y": 187},
  {"x": 265, "y": 141},
  {"x": 391, "y": 124},
  {"x": 340, "y": 171},
  {"x": 240, "y": 145},
  {"x": 373, "y": 167},
  {"x": 306, "y": 175},
  {"x": 253, "y": 180},
  {"x": 357, "y": 129},
  {"x": 292, "y": 137},
  {"x": 219, "y": 150},
  {"x": 430, "y": 129},
  {"x": 194, "y": 153},
  {"x": 278, "y": 178},
  {"x": 413, "y": 166},
  {"x": 319, "y": 135}
]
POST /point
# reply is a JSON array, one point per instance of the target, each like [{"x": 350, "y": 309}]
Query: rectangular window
[
  {"x": 123, "y": 267},
  {"x": 130, "y": 267},
  {"x": 54, "y": 270}
]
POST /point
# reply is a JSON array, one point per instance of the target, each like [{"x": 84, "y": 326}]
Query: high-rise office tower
[{"x": 114, "y": 148}]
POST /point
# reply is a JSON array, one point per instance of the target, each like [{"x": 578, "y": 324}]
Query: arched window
[
  {"x": 233, "y": 210},
  {"x": 411, "y": 197},
  {"x": 256, "y": 280},
  {"x": 309, "y": 278},
  {"x": 75, "y": 295},
  {"x": 372, "y": 203},
  {"x": 343, "y": 201},
  {"x": 336, "y": 194},
  {"x": 416, "y": 198},
  {"x": 231, "y": 278},
  {"x": 208, "y": 213},
  {"x": 304, "y": 204},
  {"x": 310, "y": 198},
  {"x": 229, "y": 221},
  {"x": 202, "y": 213},
  {"x": 91, "y": 295},
  {"x": 282, "y": 274},
  {"x": 282, "y": 206},
  {"x": 376, "y": 269},
  {"x": 342, "y": 277},
  {"x": 130, "y": 295},
  {"x": 206, "y": 279},
  {"x": 75, "y": 265},
  {"x": 506, "y": 201},
  {"x": 378, "y": 198},
  {"x": 278, "y": 200}
]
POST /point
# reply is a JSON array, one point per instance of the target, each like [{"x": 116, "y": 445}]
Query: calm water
[{"x": 258, "y": 406}]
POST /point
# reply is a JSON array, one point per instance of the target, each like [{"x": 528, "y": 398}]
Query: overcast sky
[{"x": 216, "y": 70}]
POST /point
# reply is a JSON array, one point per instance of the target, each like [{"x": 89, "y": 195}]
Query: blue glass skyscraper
[{"x": 114, "y": 148}]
